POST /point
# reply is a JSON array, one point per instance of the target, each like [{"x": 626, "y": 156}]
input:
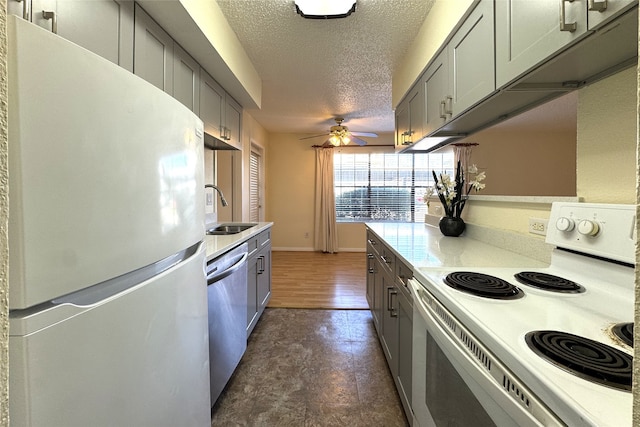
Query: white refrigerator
[{"x": 107, "y": 292}]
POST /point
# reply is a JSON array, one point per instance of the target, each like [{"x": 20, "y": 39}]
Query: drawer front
[{"x": 264, "y": 237}]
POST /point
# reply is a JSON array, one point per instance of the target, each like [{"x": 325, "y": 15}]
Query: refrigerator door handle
[{"x": 112, "y": 288}]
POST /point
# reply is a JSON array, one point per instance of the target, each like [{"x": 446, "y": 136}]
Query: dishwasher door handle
[{"x": 215, "y": 276}]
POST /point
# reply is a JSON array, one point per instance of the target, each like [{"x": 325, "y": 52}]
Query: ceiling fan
[{"x": 340, "y": 135}]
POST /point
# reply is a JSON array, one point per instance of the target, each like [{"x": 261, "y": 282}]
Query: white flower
[{"x": 473, "y": 169}]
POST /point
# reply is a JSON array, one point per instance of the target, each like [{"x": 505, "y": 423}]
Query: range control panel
[{"x": 603, "y": 230}]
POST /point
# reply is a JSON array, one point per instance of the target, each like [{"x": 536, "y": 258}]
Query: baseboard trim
[{"x": 299, "y": 249}]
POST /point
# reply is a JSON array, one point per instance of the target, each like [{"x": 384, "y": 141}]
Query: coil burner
[
  {"x": 586, "y": 358},
  {"x": 548, "y": 282},
  {"x": 482, "y": 285}
]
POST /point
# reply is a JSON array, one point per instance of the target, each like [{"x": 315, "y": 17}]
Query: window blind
[
  {"x": 254, "y": 187},
  {"x": 385, "y": 186}
]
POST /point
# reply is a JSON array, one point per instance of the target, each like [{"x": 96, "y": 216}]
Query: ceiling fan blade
[
  {"x": 314, "y": 136},
  {"x": 369, "y": 134},
  {"x": 358, "y": 141}
]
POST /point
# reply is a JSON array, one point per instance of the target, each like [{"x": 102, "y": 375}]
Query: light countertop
[
  {"x": 218, "y": 245},
  {"x": 423, "y": 246}
]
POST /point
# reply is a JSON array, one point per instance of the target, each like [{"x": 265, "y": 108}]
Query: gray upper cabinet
[
  {"x": 153, "y": 52},
  {"x": 410, "y": 117},
  {"x": 186, "y": 79},
  {"x": 435, "y": 81},
  {"x": 602, "y": 11},
  {"x": 402, "y": 123},
  {"x": 529, "y": 32},
  {"x": 471, "y": 59},
  {"x": 221, "y": 114},
  {"x": 233, "y": 122},
  {"x": 212, "y": 98},
  {"x": 104, "y": 27}
]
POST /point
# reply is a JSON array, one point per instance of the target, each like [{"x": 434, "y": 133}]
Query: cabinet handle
[
  {"x": 372, "y": 242},
  {"x": 261, "y": 264},
  {"x": 386, "y": 261},
  {"x": 443, "y": 114},
  {"x": 598, "y": 6},
  {"x": 370, "y": 256},
  {"x": 48, "y": 14},
  {"x": 448, "y": 106},
  {"x": 25, "y": 9},
  {"x": 564, "y": 26},
  {"x": 390, "y": 306}
]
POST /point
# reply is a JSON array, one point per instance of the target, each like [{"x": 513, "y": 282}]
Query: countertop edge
[{"x": 218, "y": 245}]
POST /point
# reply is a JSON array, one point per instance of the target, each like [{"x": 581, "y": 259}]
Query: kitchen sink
[{"x": 230, "y": 228}]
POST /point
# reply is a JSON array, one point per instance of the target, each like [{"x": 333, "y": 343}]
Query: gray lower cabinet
[
  {"x": 259, "y": 277},
  {"x": 391, "y": 307},
  {"x": 104, "y": 27}
]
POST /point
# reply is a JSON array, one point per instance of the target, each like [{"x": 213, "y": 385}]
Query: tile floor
[{"x": 306, "y": 367}]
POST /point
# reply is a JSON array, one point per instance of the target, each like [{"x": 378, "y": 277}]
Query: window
[{"x": 385, "y": 186}]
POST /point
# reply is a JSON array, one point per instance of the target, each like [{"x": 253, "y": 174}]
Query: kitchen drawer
[
  {"x": 372, "y": 242},
  {"x": 403, "y": 274},
  {"x": 264, "y": 238},
  {"x": 252, "y": 244},
  {"x": 387, "y": 258}
]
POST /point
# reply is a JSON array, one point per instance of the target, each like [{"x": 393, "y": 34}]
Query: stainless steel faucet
[{"x": 222, "y": 199}]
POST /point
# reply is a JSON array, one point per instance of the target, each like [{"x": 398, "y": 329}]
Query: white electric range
[{"x": 503, "y": 342}]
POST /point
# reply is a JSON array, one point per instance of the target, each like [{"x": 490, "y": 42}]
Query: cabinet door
[
  {"x": 370, "y": 276},
  {"x": 602, "y": 11},
  {"x": 471, "y": 56},
  {"x": 233, "y": 122},
  {"x": 405, "y": 350},
  {"x": 186, "y": 79},
  {"x": 104, "y": 27},
  {"x": 416, "y": 113},
  {"x": 252, "y": 295},
  {"x": 528, "y": 32},
  {"x": 402, "y": 124},
  {"x": 264, "y": 278},
  {"x": 211, "y": 104},
  {"x": 436, "y": 93},
  {"x": 389, "y": 337},
  {"x": 153, "y": 52},
  {"x": 378, "y": 299}
]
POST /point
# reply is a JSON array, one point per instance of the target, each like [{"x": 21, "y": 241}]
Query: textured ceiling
[{"x": 315, "y": 70}]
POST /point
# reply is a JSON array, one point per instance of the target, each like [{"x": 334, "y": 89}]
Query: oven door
[{"x": 452, "y": 387}]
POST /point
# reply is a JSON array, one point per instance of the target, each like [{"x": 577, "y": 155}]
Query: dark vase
[{"x": 451, "y": 226}]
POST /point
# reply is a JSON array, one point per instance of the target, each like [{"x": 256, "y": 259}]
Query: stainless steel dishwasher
[{"x": 227, "y": 296}]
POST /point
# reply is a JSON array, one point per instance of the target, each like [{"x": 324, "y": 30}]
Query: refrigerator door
[
  {"x": 105, "y": 170},
  {"x": 123, "y": 353}
]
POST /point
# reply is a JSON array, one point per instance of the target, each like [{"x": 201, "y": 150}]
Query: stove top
[{"x": 582, "y": 304}]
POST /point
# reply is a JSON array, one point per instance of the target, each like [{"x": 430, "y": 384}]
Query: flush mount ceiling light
[{"x": 325, "y": 9}]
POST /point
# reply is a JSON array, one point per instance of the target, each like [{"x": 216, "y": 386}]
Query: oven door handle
[{"x": 466, "y": 363}]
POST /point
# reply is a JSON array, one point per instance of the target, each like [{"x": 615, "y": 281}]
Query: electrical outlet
[
  {"x": 306, "y": 235},
  {"x": 538, "y": 226},
  {"x": 209, "y": 201}
]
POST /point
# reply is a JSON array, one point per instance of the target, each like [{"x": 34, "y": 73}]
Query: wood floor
[{"x": 318, "y": 280}]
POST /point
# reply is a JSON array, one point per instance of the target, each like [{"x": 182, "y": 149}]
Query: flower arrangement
[{"x": 452, "y": 193}]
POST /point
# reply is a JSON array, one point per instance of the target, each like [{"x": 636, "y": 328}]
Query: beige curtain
[{"x": 325, "y": 236}]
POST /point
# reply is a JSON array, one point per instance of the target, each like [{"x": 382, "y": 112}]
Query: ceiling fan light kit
[
  {"x": 325, "y": 9},
  {"x": 340, "y": 135}
]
